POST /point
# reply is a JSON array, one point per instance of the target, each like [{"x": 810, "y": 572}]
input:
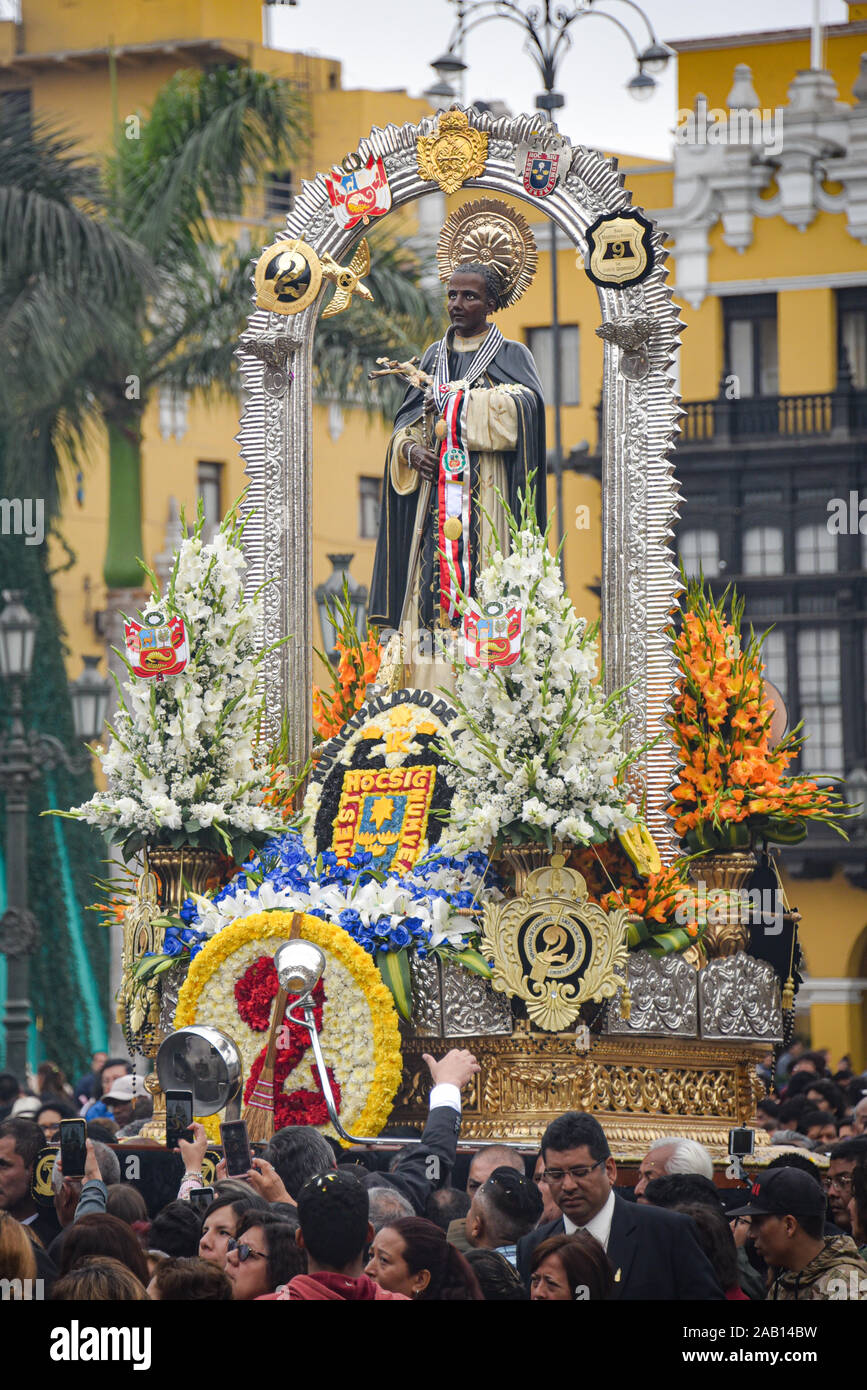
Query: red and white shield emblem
[
  {"x": 540, "y": 172},
  {"x": 492, "y": 635},
  {"x": 357, "y": 195},
  {"x": 158, "y": 647}
]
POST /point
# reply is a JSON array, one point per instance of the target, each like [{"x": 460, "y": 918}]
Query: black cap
[{"x": 783, "y": 1192}]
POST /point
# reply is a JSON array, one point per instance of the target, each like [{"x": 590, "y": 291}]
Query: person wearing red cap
[{"x": 787, "y": 1212}]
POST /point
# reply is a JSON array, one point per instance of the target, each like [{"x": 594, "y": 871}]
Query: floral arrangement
[
  {"x": 668, "y": 915},
  {"x": 386, "y": 915},
  {"x": 733, "y": 785},
  {"x": 357, "y": 667},
  {"x": 231, "y": 985},
  {"x": 540, "y": 756},
  {"x": 184, "y": 765}
]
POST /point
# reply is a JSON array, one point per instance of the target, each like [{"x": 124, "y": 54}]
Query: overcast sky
[{"x": 390, "y": 43}]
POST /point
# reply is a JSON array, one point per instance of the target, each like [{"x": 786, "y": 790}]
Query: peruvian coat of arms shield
[
  {"x": 158, "y": 647},
  {"x": 359, "y": 194},
  {"x": 492, "y": 635}
]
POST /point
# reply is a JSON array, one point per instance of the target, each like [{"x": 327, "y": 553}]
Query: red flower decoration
[{"x": 255, "y": 993}]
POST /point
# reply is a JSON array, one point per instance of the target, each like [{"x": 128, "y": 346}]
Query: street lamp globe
[
  {"x": 448, "y": 65},
  {"x": 655, "y": 57},
  {"x": 330, "y": 591},
  {"x": 17, "y": 637},
  {"x": 440, "y": 95},
  {"x": 642, "y": 86},
  {"x": 88, "y": 695}
]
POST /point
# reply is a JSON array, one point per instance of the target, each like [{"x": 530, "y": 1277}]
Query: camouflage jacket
[{"x": 837, "y": 1272}]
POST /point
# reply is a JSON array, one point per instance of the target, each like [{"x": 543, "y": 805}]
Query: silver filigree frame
[{"x": 640, "y": 583}]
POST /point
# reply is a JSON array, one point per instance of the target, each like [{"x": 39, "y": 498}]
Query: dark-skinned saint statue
[{"x": 472, "y": 427}]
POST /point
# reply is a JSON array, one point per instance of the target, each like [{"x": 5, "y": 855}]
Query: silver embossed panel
[
  {"x": 449, "y": 1002},
  {"x": 739, "y": 997},
  {"x": 664, "y": 998}
]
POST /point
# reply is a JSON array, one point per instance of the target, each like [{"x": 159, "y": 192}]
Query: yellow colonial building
[{"x": 765, "y": 205}]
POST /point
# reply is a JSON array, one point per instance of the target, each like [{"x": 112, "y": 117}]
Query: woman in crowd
[
  {"x": 124, "y": 1201},
  {"x": 570, "y": 1268},
  {"x": 99, "y": 1280},
  {"x": 52, "y": 1110},
  {"x": 263, "y": 1256},
  {"x": 103, "y": 1236},
  {"x": 221, "y": 1222},
  {"x": 717, "y": 1240},
  {"x": 412, "y": 1256},
  {"x": 498, "y": 1280},
  {"x": 51, "y": 1082}
]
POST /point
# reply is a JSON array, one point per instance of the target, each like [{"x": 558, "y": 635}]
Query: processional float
[{"x": 560, "y": 1008}]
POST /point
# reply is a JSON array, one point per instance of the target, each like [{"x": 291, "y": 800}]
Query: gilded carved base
[{"x": 639, "y": 1089}]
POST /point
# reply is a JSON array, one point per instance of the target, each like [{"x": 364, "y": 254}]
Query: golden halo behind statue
[{"x": 491, "y": 233}]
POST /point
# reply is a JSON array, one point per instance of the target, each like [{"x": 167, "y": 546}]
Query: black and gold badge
[
  {"x": 619, "y": 248},
  {"x": 288, "y": 276}
]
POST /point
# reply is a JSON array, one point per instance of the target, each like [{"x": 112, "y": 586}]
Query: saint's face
[{"x": 468, "y": 303}]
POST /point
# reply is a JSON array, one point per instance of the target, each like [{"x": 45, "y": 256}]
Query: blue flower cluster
[
  {"x": 285, "y": 865},
  {"x": 188, "y": 937}
]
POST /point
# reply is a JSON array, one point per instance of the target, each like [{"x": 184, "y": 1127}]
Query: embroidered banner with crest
[{"x": 384, "y": 812}]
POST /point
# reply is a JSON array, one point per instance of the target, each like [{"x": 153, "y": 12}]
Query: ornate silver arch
[{"x": 640, "y": 418}]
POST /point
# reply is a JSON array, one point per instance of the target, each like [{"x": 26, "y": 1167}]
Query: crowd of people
[{"x": 312, "y": 1221}]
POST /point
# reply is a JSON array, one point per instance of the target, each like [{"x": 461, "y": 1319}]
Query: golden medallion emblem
[
  {"x": 554, "y": 949},
  {"x": 288, "y": 276},
  {"x": 455, "y": 153}
]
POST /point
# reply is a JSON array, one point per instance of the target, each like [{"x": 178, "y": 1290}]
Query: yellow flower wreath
[{"x": 363, "y": 1004}]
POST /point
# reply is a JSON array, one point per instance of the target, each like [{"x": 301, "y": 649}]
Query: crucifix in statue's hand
[{"x": 425, "y": 459}]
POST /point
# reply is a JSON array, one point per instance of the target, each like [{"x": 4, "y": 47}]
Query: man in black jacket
[
  {"x": 655, "y": 1254},
  {"x": 298, "y": 1153}
]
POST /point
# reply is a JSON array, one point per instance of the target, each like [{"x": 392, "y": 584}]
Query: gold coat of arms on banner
[
  {"x": 554, "y": 949},
  {"x": 455, "y": 153}
]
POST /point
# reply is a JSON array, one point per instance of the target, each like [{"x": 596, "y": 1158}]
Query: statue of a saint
[{"x": 477, "y": 428}]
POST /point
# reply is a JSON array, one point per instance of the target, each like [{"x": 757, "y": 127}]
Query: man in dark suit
[{"x": 654, "y": 1253}]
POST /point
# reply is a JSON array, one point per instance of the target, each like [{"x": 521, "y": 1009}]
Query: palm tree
[
  {"x": 203, "y": 135},
  {"x": 403, "y": 318},
  {"x": 63, "y": 270}
]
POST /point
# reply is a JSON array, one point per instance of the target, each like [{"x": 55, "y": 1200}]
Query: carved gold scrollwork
[{"x": 640, "y": 1089}]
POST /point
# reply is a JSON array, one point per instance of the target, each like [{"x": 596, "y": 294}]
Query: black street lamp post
[
  {"x": 24, "y": 756},
  {"x": 547, "y": 29}
]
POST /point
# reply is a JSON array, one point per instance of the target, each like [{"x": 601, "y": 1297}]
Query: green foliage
[
  {"x": 69, "y": 1031},
  {"x": 64, "y": 269},
  {"x": 402, "y": 321}
]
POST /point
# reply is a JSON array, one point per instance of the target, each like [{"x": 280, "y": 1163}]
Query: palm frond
[
  {"x": 404, "y": 317},
  {"x": 203, "y": 136}
]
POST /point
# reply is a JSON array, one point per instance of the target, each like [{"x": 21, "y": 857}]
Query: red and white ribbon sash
[{"x": 453, "y": 510}]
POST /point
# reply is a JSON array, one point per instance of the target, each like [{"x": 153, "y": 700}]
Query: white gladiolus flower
[
  {"x": 535, "y": 747},
  {"x": 186, "y": 762}
]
